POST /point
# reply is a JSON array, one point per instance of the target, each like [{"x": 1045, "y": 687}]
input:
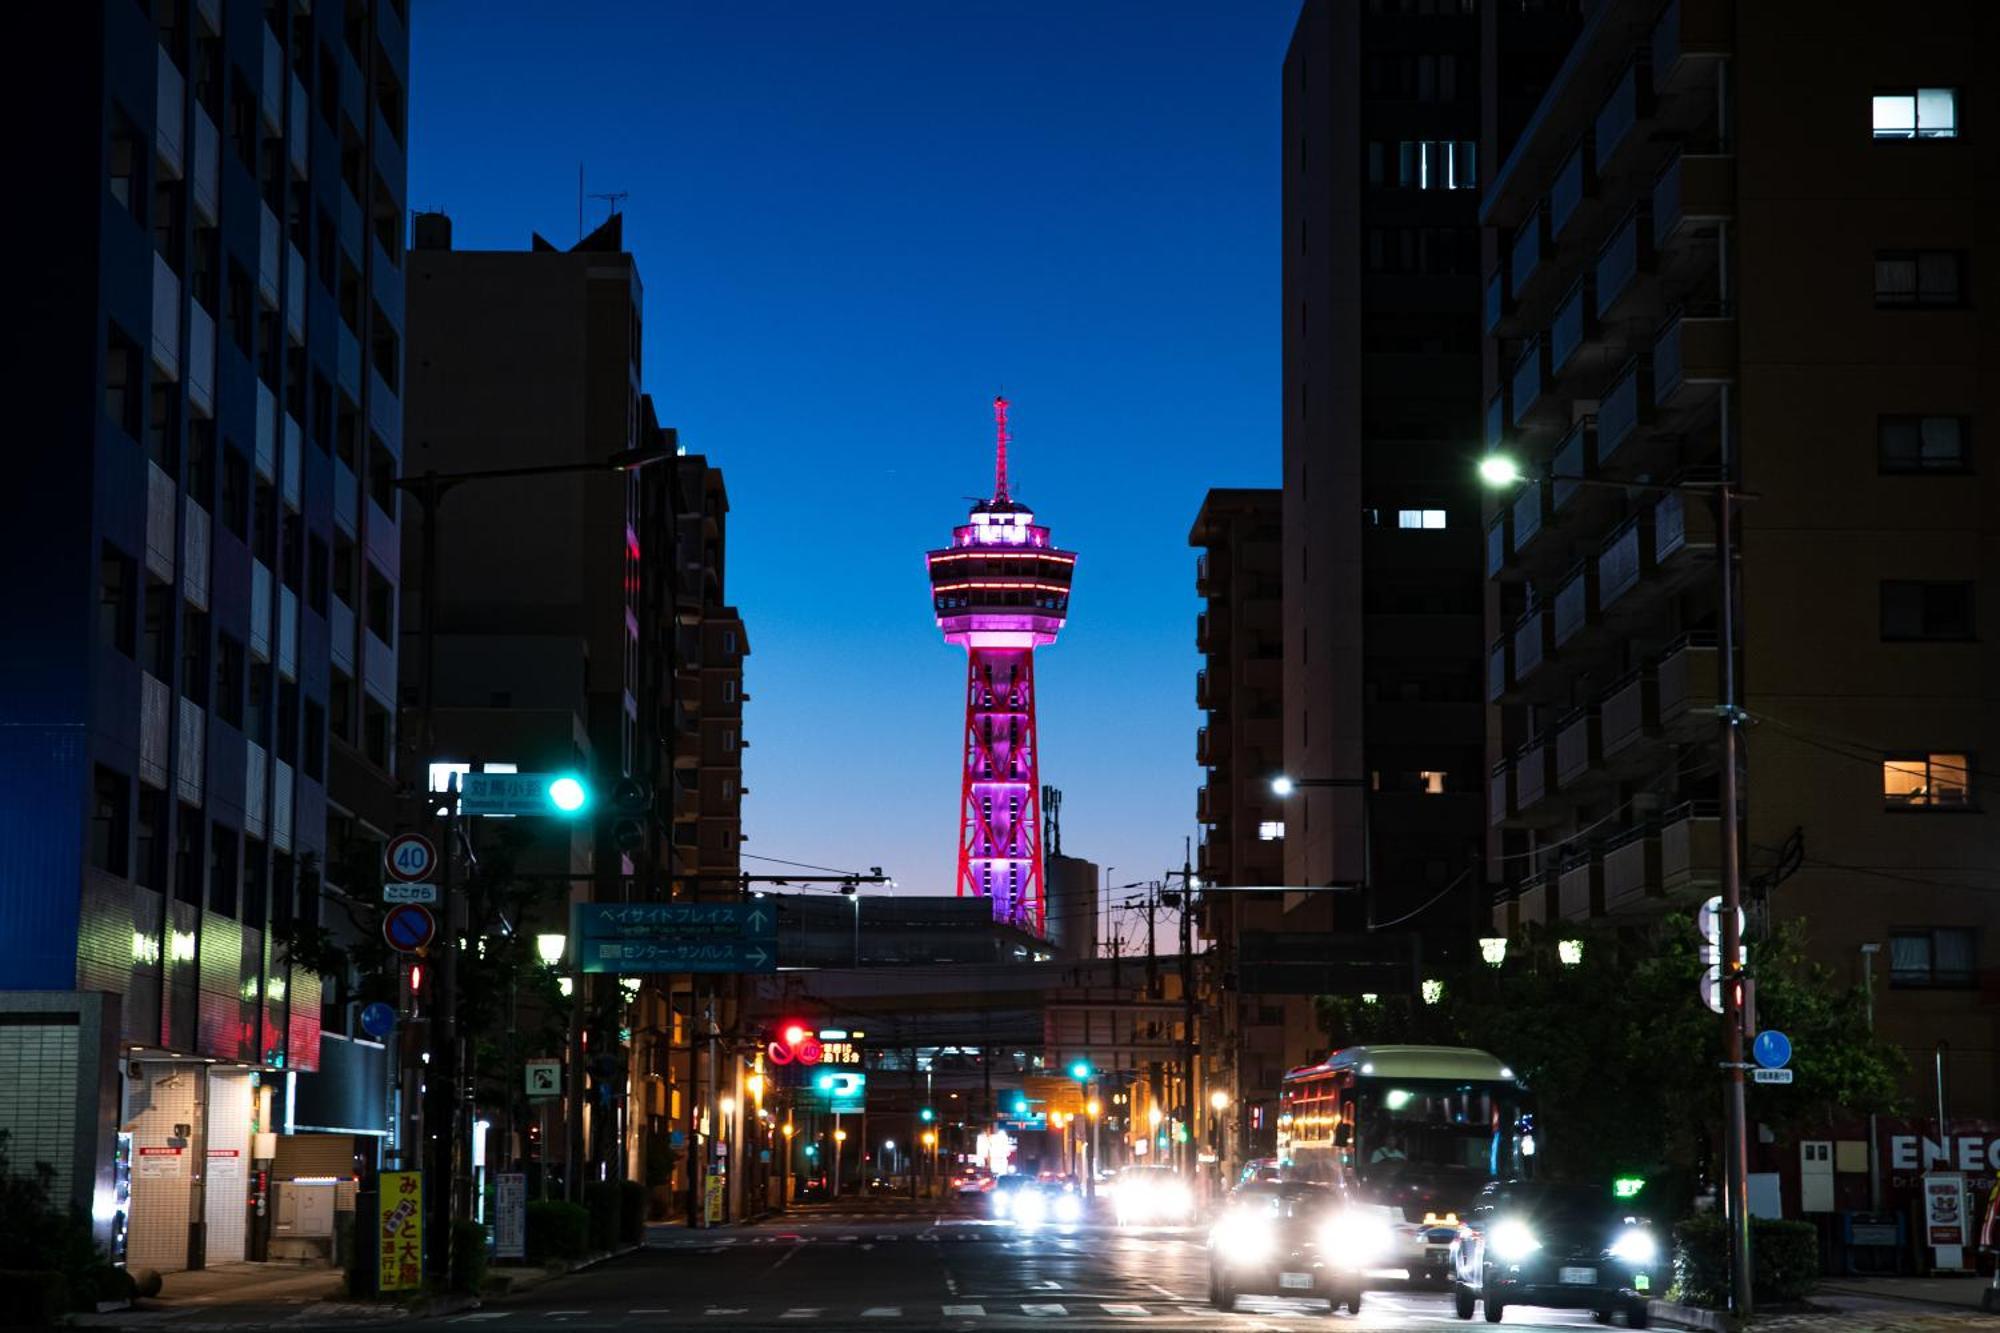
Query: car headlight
[
  {"x": 1002, "y": 1201},
  {"x": 1069, "y": 1208},
  {"x": 1636, "y": 1247},
  {"x": 1243, "y": 1239},
  {"x": 1176, "y": 1200},
  {"x": 1512, "y": 1242},
  {"x": 1354, "y": 1237}
]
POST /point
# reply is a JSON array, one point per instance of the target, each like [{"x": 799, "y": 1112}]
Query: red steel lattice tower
[{"x": 1002, "y": 590}]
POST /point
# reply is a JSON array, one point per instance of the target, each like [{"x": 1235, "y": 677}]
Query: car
[
  {"x": 1573, "y": 1247},
  {"x": 1294, "y": 1239},
  {"x": 973, "y": 1180},
  {"x": 1259, "y": 1169},
  {"x": 1005, "y": 1190},
  {"x": 1041, "y": 1202},
  {"x": 1152, "y": 1196}
]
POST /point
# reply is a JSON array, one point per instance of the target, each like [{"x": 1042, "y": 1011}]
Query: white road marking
[
  {"x": 650, "y": 1309},
  {"x": 1045, "y": 1311},
  {"x": 1046, "y": 1285},
  {"x": 1164, "y": 1292},
  {"x": 883, "y": 1312},
  {"x": 1121, "y": 1308},
  {"x": 719, "y": 1310},
  {"x": 556, "y": 1313},
  {"x": 965, "y": 1311},
  {"x": 802, "y": 1312},
  {"x": 482, "y": 1314}
]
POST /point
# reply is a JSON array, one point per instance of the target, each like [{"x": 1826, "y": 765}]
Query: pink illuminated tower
[{"x": 1001, "y": 590}]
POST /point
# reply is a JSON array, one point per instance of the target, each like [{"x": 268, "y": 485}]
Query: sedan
[
  {"x": 1296, "y": 1240},
  {"x": 1572, "y": 1247}
]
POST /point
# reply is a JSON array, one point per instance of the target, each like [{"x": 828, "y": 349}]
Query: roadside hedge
[
  {"x": 1785, "y": 1258},
  {"x": 632, "y": 1200},
  {"x": 468, "y": 1255},
  {"x": 556, "y": 1230},
  {"x": 37, "y": 1299}
]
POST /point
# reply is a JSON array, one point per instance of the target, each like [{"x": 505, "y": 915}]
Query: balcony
[
  {"x": 1694, "y": 192},
  {"x": 1579, "y": 748},
  {"x": 1576, "y": 456},
  {"x": 1687, "y": 678},
  {"x": 1494, "y": 310},
  {"x": 1683, "y": 536},
  {"x": 1201, "y": 695},
  {"x": 1496, "y": 422},
  {"x": 1630, "y": 712},
  {"x": 1693, "y": 357},
  {"x": 1530, "y": 380},
  {"x": 1613, "y": 135},
  {"x": 1624, "y": 559},
  {"x": 1531, "y": 513},
  {"x": 1499, "y": 669},
  {"x": 1689, "y": 37},
  {"x": 1525, "y": 255},
  {"x": 1500, "y": 794},
  {"x": 1204, "y": 753},
  {"x": 1691, "y": 850},
  {"x": 1534, "y": 779},
  {"x": 1532, "y": 902},
  {"x": 1575, "y": 325},
  {"x": 1632, "y": 872},
  {"x": 1204, "y": 808},
  {"x": 1624, "y": 263},
  {"x": 1575, "y": 604},
  {"x": 1580, "y": 889},
  {"x": 1620, "y": 411},
  {"x": 1532, "y": 643},
  {"x": 1497, "y": 547},
  {"x": 1572, "y": 187},
  {"x": 1202, "y": 641},
  {"x": 1201, "y": 584}
]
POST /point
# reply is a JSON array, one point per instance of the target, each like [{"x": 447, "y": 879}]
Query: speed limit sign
[{"x": 410, "y": 857}]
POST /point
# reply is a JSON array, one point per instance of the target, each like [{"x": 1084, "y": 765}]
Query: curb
[{"x": 1690, "y": 1316}]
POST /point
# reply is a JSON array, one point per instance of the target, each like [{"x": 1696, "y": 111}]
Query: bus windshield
[{"x": 1425, "y": 1126}]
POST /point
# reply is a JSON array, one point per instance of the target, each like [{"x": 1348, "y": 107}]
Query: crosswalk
[{"x": 922, "y": 1315}]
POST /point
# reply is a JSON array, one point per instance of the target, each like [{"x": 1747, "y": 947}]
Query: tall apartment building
[
  {"x": 1240, "y": 688},
  {"x": 1383, "y": 649},
  {"x": 1728, "y": 244},
  {"x": 203, "y": 566}
]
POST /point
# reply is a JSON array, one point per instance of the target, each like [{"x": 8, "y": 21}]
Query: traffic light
[
  {"x": 1080, "y": 1070},
  {"x": 566, "y": 794},
  {"x": 927, "y": 1115},
  {"x": 632, "y": 800}
]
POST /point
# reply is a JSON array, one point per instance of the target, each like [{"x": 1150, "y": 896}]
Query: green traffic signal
[
  {"x": 567, "y": 794},
  {"x": 927, "y": 1115},
  {"x": 1080, "y": 1070}
]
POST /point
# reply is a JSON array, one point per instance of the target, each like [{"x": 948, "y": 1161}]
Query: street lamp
[
  {"x": 1498, "y": 470},
  {"x": 1493, "y": 950},
  {"x": 1219, "y": 1100},
  {"x": 550, "y": 948}
]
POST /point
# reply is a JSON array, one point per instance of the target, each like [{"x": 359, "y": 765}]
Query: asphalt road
[{"x": 922, "y": 1266}]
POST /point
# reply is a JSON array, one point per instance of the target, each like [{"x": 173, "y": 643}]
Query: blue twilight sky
[{"x": 855, "y": 222}]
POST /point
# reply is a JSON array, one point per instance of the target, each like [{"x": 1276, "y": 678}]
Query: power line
[
  {"x": 1430, "y": 902},
  {"x": 801, "y": 865}
]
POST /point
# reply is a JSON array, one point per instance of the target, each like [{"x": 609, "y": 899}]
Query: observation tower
[{"x": 1002, "y": 590}]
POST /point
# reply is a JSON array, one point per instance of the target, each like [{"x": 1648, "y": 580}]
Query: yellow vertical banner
[{"x": 401, "y": 1232}]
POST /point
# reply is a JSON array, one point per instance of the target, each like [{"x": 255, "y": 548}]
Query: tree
[{"x": 1625, "y": 1059}]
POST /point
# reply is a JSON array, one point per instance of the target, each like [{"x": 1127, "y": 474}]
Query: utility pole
[
  {"x": 1729, "y": 716},
  {"x": 1152, "y": 941}
]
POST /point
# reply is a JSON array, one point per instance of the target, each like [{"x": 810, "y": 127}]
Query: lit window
[
  {"x": 1946, "y": 957},
  {"x": 1420, "y": 518},
  {"x": 1921, "y": 444},
  {"x": 1920, "y": 113},
  {"x": 1919, "y": 278},
  {"x": 1927, "y": 781},
  {"x": 1271, "y": 830},
  {"x": 1433, "y": 781}
]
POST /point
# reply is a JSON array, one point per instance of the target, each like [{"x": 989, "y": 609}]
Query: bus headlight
[
  {"x": 1513, "y": 1242},
  {"x": 1636, "y": 1247}
]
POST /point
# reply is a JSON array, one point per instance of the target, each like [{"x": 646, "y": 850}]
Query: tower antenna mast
[{"x": 1000, "y": 450}]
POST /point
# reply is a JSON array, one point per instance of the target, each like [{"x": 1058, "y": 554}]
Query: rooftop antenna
[
  {"x": 1000, "y": 453},
  {"x": 613, "y": 198}
]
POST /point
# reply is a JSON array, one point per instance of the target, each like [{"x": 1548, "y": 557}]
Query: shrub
[
  {"x": 556, "y": 1230},
  {"x": 633, "y": 1199},
  {"x": 601, "y": 1198},
  {"x": 1785, "y": 1258},
  {"x": 468, "y": 1255},
  {"x": 40, "y": 1239},
  {"x": 38, "y": 1299}
]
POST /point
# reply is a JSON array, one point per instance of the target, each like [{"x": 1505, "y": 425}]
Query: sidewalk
[{"x": 1863, "y": 1305}]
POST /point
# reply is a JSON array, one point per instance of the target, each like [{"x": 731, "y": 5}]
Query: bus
[{"x": 1414, "y": 1130}]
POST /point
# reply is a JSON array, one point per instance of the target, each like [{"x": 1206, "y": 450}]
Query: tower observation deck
[{"x": 1002, "y": 590}]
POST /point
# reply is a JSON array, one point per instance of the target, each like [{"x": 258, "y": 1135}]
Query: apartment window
[
  {"x": 1933, "y": 781},
  {"x": 388, "y": 224},
  {"x": 314, "y": 766},
  {"x": 322, "y": 413},
  {"x": 150, "y": 865},
  {"x": 1420, "y": 518},
  {"x": 385, "y": 355},
  {"x": 157, "y": 650},
  {"x": 188, "y": 857},
  {"x": 340, "y": 705},
  {"x": 201, "y": 460},
  {"x": 1919, "y": 279},
  {"x": 1918, "y": 610},
  {"x": 163, "y": 426},
  {"x": 287, "y": 747},
  {"x": 1271, "y": 830},
  {"x": 126, "y": 160},
  {"x": 194, "y": 655},
  {"x": 264, "y": 534},
  {"x": 283, "y": 891},
  {"x": 375, "y": 732},
  {"x": 235, "y": 491},
  {"x": 256, "y": 883},
  {"x": 1917, "y": 113},
  {"x": 1943, "y": 957},
  {"x": 257, "y": 709},
  {"x": 222, "y": 870},
  {"x": 729, "y": 691},
  {"x": 123, "y": 382},
  {"x": 229, "y": 669},
  {"x": 242, "y": 310},
  {"x": 169, "y": 208},
  {"x": 343, "y": 568},
  {"x": 316, "y": 574},
  {"x": 1922, "y": 444},
  {"x": 294, "y": 550},
  {"x": 381, "y": 606},
  {"x": 110, "y": 830},
  {"x": 381, "y": 475},
  {"x": 1432, "y": 781},
  {"x": 243, "y": 121},
  {"x": 117, "y": 599}
]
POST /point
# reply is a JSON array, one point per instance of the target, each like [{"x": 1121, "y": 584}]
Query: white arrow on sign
[
  {"x": 756, "y": 920},
  {"x": 756, "y": 956}
]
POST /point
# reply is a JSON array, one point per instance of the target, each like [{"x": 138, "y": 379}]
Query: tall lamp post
[
  {"x": 1499, "y": 471},
  {"x": 447, "y": 1129}
]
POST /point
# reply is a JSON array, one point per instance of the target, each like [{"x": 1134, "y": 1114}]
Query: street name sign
[
  {"x": 675, "y": 937},
  {"x": 1770, "y": 1076},
  {"x": 394, "y": 892},
  {"x": 505, "y": 793}
]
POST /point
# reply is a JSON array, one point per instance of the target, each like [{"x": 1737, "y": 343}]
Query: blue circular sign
[
  {"x": 408, "y": 928},
  {"x": 1772, "y": 1049},
  {"x": 378, "y": 1019}
]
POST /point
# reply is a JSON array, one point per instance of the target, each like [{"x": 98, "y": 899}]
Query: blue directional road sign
[
  {"x": 839, "y": 1092},
  {"x": 1771, "y": 1049},
  {"x": 675, "y": 937},
  {"x": 378, "y": 1019}
]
